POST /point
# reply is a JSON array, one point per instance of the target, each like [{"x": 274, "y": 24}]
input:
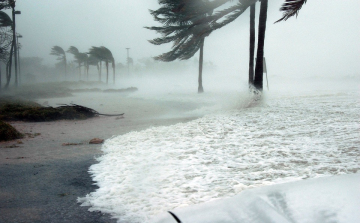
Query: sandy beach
[{"x": 41, "y": 179}]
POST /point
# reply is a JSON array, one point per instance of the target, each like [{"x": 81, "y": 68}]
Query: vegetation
[
  {"x": 186, "y": 42},
  {"x": 291, "y": 8},
  {"x": 185, "y": 25},
  {"x": 80, "y": 58},
  {"x": 18, "y": 111},
  {"x": 7, "y": 132},
  {"x": 60, "y": 53},
  {"x": 5, "y": 44},
  {"x": 103, "y": 54}
]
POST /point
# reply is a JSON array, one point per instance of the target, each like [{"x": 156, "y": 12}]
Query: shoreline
[{"x": 40, "y": 179}]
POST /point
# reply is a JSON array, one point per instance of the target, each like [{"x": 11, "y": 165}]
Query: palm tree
[
  {"x": 80, "y": 58},
  {"x": 60, "y": 53},
  {"x": 108, "y": 59},
  {"x": 187, "y": 39},
  {"x": 104, "y": 54},
  {"x": 94, "y": 61}
]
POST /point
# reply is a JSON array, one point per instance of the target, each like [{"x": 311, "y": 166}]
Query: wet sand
[{"x": 40, "y": 179}]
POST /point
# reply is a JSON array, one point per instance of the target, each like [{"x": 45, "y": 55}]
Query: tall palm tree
[
  {"x": 60, "y": 53},
  {"x": 104, "y": 54},
  {"x": 80, "y": 58},
  {"x": 108, "y": 59},
  {"x": 187, "y": 39}
]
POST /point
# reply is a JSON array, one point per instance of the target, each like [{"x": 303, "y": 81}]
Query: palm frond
[
  {"x": 73, "y": 50},
  {"x": 291, "y": 8},
  {"x": 57, "y": 51},
  {"x": 5, "y": 20}
]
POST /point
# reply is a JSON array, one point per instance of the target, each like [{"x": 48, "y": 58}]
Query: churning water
[{"x": 284, "y": 137}]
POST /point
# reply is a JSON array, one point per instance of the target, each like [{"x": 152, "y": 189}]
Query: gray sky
[{"x": 323, "y": 40}]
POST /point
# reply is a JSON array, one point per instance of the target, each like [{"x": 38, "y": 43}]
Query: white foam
[{"x": 284, "y": 139}]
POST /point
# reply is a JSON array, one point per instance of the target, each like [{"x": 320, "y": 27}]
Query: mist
[
  {"x": 172, "y": 147},
  {"x": 322, "y": 41}
]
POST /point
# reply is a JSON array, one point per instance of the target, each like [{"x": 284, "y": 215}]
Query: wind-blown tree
[
  {"x": 187, "y": 39},
  {"x": 109, "y": 59},
  {"x": 221, "y": 17},
  {"x": 94, "y": 61},
  {"x": 95, "y": 52},
  {"x": 104, "y": 54},
  {"x": 61, "y": 55},
  {"x": 80, "y": 58}
]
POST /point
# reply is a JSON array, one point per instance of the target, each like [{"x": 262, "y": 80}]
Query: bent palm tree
[
  {"x": 108, "y": 59},
  {"x": 104, "y": 54},
  {"x": 187, "y": 37},
  {"x": 93, "y": 61},
  {"x": 80, "y": 58},
  {"x": 60, "y": 53}
]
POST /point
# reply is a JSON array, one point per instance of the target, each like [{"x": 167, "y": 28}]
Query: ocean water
[{"x": 287, "y": 135}]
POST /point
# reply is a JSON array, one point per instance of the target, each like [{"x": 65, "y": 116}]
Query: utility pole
[{"x": 128, "y": 60}]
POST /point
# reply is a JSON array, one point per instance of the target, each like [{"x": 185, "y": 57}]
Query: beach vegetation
[{"x": 7, "y": 132}]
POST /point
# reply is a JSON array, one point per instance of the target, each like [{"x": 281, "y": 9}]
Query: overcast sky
[{"x": 323, "y": 40}]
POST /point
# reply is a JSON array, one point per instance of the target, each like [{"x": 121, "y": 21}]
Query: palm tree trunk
[
  {"x": 8, "y": 67},
  {"x": 87, "y": 72},
  {"x": 252, "y": 45},
  {"x": 258, "y": 81},
  {"x": 200, "y": 88},
  {"x": 99, "y": 72},
  {"x": 85, "y": 69},
  {"x": 107, "y": 72},
  {"x": 79, "y": 71},
  {"x": 15, "y": 46},
  {"x": 113, "y": 67},
  {"x": 65, "y": 63},
  {"x": 0, "y": 76}
]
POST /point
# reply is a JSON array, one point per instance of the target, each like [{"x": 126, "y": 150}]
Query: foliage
[
  {"x": 5, "y": 20},
  {"x": 7, "y": 132},
  {"x": 5, "y": 43},
  {"x": 58, "y": 51},
  {"x": 103, "y": 54},
  {"x": 38, "y": 113},
  {"x": 6, "y": 4},
  {"x": 80, "y": 58},
  {"x": 291, "y": 8},
  {"x": 187, "y": 22},
  {"x": 5, "y": 36},
  {"x": 61, "y": 55}
]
